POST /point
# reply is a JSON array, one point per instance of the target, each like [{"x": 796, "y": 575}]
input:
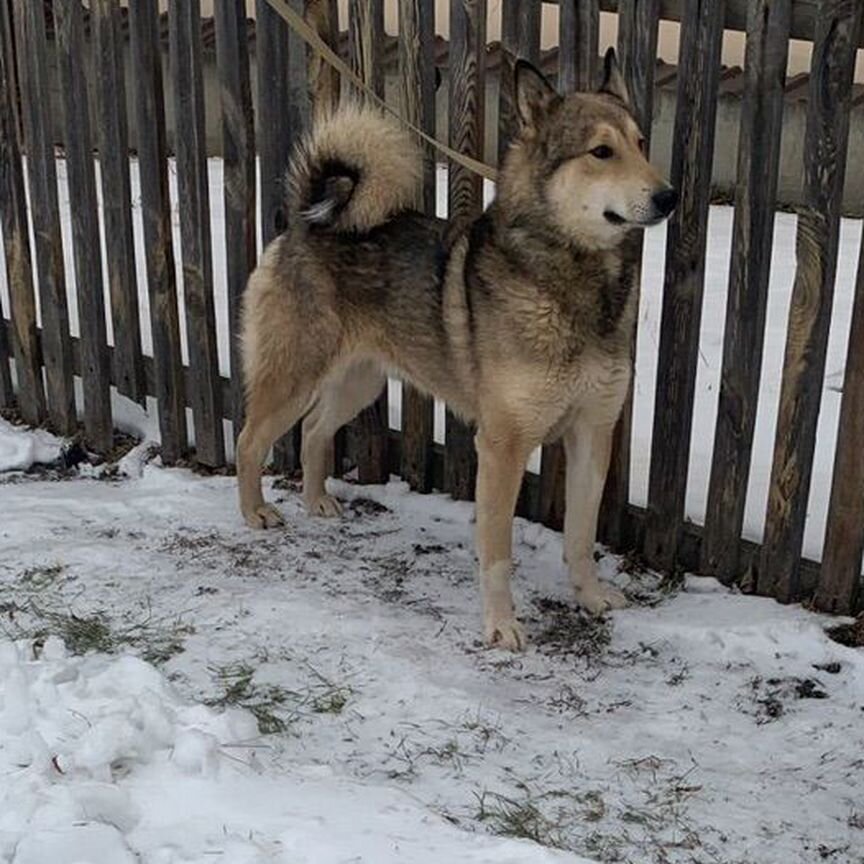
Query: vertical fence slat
[
  {"x": 365, "y": 35},
  {"x": 752, "y": 238},
  {"x": 365, "y": 32},
  {"x": 578, "y": 39},
  {"x": 95, "y": 362},
  {"x": 33, "y": 76},
  {"x": 638, "y": 31},
  {"x": 7, "y": 394},
  {"x": 238, "y": 154},
  {"x": 417, "y": 76},
  {"x": 156, "y": 217},
  {"x": 464, "y": 192},
  {"x": 825, "y": 148},
  {"x": 840, "y": 577},
  {"x": 193, "y": 194},
  {"x": 520, "y": 39},
  {"x": 113, "y": 142},
  {"x": 16, "y": 240},
  {"x": 324, "y": 85},
  {"x": 274, "y": 133},
  {"x": 698, "y": 78}
]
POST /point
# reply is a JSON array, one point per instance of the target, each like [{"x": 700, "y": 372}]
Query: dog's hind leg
[
  {"x": 501, "y": 461},
  {"x": 269, "y": 415},
  {"x": 588, "y": 448},
  {"x": 339, "y": 400}
]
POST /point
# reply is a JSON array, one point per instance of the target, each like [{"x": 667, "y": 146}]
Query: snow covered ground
[
  {"x": 710, "y": 354},
  {"x": 177, "y": 688}
]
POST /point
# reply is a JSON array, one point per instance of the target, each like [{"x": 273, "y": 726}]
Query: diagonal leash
[{"x": 307, "y": 33}]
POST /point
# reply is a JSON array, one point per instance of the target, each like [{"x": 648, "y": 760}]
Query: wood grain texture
[
  {"x": 464, "y": 192},
  {"x": 238, "y": 149},
  {"x": 324, "y": 82},
  {"x": 365, "y": 32},
  {"x": 417, "y": 79},
  {"x": 804, "y": 14},
  {"x": 86, "y": 247},
  {"x": 113, "y": 142},
  {"x": 752, "y": 239},
  {"x": 825, "y": 148},
  {"x": 693, "y": 148},
  {"x": 21, "y": 337},
  {"x": 34, "y": 81},
  {"x": 578, "y": 38},
  {"x": 193, "y": 196},
  {"x": 638, "y": 30},
  {"x": 168, "y": 382},
  {"x": 520, "y": 39},
  {"x": 839, "y": 589}
]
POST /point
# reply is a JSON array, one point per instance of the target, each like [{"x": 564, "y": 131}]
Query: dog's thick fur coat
[{"x": 523, "y": 325}]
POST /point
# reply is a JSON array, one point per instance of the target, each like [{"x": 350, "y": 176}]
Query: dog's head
[{"x": 586, "y": 159}]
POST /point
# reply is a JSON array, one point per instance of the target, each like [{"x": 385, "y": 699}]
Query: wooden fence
[{"x": 46, "y": 359}]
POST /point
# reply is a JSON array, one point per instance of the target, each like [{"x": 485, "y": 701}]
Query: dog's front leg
[
  {"x": 500, "y": 465},
  {"x": 588, "y": 449}
]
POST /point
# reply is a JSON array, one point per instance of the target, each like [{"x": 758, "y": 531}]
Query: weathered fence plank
[
  {"x": 693, "y": 148},
  {"x": 840, "y": 580},
  {"x": 825, "y": 148},
  {"x": 464, "y": 191},
  {"x": 193, "y": 194},
  {"x": 7, "y": 394},
  {"x": 16, "y": 241},
  {"x": 156, "y": 216},
  {"x": 324, "y": 82},
  {"x": 736, "y": 17},
  {"x": 417, "y": 76},
  {"x": 578, "y": 38},
  {"x": 113, "y": 143},
  {"x": 81, "y": 174},
  {"x": 520, "y": 39},
  {"x": 752, "y": 238},
  {"x": 365, "y": 32},
  {"x": 33, "y": 78},
  {"x": 238, "y": 155},
  {"x": 638, "y": 30}
]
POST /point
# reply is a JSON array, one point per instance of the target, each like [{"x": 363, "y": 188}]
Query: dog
[{"x": 523, "y": 324}]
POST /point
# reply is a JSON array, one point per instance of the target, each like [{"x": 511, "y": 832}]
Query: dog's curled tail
[{"x": 355, "y": 170}]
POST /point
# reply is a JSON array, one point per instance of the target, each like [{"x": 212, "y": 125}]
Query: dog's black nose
[{"x": 665, "y": 201}]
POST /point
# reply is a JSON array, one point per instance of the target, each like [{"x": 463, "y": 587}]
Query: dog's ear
[
  {"x": 613, "y": 81},
  {"x": 534, "y": 94}
]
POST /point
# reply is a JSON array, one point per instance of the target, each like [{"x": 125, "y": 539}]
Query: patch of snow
[
  {"x": 105, "y": 763},
  {"x": 688, "y": 729},
  {"x": 21, "y": 448}
]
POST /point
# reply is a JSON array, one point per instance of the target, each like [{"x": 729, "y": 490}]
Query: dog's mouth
[{"x": 614, "y": 219}]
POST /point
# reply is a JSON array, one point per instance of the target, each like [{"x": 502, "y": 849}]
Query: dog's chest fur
[{"x": 565, "y": 303}]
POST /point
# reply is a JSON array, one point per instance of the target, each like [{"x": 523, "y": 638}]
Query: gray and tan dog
[{"x": 523, "y": 325}]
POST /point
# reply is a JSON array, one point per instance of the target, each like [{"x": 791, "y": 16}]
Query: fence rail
[{"x": 40, "y": 358}]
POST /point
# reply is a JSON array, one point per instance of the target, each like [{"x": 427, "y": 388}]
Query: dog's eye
[{"x": 602, "y": 152}]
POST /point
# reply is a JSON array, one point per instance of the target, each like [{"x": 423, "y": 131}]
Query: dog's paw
[
  {"x": 325, "y": 505},
  {"x": 265, "y": 516},
  {"x": 505, "y": 633},
  {"x": 599, "y": 598}
]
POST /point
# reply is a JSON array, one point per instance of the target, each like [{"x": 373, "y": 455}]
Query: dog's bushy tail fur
[{"x": 355, "y": 170}]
